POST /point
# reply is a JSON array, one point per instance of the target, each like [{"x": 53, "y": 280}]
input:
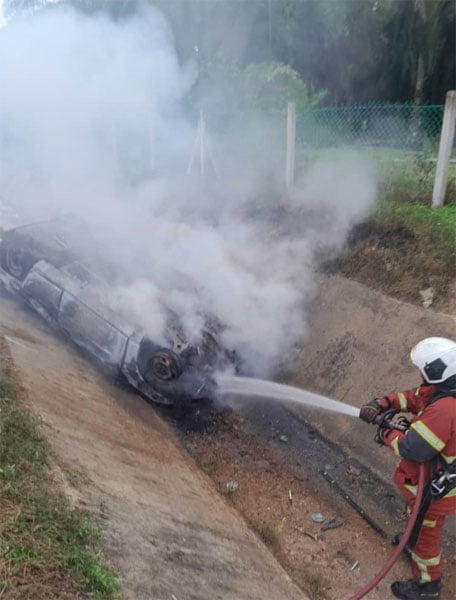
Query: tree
[
  {"x": 416, "y": 56},
  {"x": 355, "y": 50}
]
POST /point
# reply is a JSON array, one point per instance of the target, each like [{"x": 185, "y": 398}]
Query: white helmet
[{"x": 435, "y": 357}]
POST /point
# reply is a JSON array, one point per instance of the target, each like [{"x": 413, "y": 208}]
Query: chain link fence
[{"x": 402, "y": 126}]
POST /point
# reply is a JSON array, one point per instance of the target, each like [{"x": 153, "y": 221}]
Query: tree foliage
[
  {"x": 224, "y": 88},
  {"x": 411, "y": 29},
  {"x": 354, "y": 50}
]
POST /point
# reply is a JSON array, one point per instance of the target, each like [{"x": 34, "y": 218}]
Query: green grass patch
[
  {"x": 443, "y": 217},
  {"x": 405, "y": 250},
  {"x": 403, "y": 175},
  {"x": 42, "y": 539},
  {"x": 410, "y": 177},
  {"x": 7, "y": 391},
  {"x": 435, "y": 225}
]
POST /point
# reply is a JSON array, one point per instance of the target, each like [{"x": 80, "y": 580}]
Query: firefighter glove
[
  {"x": 380, "y": 435},
  {"x": 370, "y": 411}
]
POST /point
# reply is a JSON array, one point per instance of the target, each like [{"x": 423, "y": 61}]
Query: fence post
[
  {"x": 445, "y": 149},
  {"x": 291, "y": 142}
]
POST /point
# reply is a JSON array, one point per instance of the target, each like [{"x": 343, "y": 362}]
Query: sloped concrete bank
[
  {"x": 168, "y": 533},
  {"x": 358, "y": 349}
]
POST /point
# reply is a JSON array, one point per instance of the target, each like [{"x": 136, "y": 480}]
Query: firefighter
[{"x": 430, "y": 439}]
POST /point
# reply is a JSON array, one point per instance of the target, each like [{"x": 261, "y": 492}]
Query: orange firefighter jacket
[{"x": 432, "y": 432}]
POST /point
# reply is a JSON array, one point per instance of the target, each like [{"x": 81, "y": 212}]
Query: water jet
[{"x": 246, "y": 386}]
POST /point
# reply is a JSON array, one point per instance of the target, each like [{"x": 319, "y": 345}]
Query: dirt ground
[
  {"x": 279, "y": 487},
  {"x": 278, "y": 503}
]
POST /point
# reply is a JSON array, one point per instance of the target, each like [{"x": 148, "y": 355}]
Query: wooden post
[
  {"x": 291, "y": 142},
  {"x": 445, "y": 149}
]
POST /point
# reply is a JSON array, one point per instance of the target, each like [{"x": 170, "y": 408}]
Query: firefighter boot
[{"x": 412, "y": 590}]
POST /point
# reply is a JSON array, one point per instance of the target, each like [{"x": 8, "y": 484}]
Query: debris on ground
[
  {"x": 231, "y": 486},
  {"x": 427, "y": 297},
  {"x": 317, "y": 517},
  {"x": 331, "y": 524},
  {"x": 313, "y": 536}
]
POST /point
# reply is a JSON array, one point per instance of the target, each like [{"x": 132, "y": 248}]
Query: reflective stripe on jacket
[{"x": 432, "y": 432}]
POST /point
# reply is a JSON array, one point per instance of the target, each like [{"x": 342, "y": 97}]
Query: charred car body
[{"x": 43, "y": 265}]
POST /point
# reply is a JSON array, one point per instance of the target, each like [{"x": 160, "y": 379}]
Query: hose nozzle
[{"x": 390, "y": 420}]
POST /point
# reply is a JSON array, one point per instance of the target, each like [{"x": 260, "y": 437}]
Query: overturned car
[{"x": 43, "y": 264}]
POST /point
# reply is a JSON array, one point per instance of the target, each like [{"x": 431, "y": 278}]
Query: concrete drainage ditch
[{"x": 168, "y": 532}]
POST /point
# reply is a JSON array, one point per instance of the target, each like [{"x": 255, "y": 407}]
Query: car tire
[
  {"x": 15, "y": 261},
  {"x": 158, "y": 363}
]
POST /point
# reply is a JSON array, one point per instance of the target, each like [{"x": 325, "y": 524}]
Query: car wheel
[
  {"x": 158, "y": 363},
  {"x": 16, "y": 262}
]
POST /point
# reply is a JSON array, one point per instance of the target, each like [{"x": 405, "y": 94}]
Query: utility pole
[{"x": 445, "y": 150}]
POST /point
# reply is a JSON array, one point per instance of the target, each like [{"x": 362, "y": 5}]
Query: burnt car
[{"x": 44, "y": 264}]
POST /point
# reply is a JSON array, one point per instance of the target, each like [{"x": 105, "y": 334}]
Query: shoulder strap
[{"x": 438, "y": 395}]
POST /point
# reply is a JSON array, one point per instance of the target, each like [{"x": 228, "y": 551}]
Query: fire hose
[{"x": 408, "y": 530}]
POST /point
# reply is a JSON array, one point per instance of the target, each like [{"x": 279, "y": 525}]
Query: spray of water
[{"x": 245, "y": 386}]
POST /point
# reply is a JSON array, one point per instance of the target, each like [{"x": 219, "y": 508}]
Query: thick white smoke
[{"x": 90, "y": 124}]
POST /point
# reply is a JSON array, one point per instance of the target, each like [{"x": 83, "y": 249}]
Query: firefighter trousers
[{"x": 426, "y": 556}]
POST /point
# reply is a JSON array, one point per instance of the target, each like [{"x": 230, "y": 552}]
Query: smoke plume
[{"x": 91, "y": 123}]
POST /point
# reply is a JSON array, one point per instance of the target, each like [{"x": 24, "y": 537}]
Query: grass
[
  {"x": 434, "y": 231},
  {"x": 43, "y": 541},
  {"x": 406, "y": 187},
  {"x": 403, "y": 175},
  {"x": 438, "y": 224},
  {"x": 76, "y": 478},
  {"x": 411, "y": 179},
  {"x": 404, "y": 249}
]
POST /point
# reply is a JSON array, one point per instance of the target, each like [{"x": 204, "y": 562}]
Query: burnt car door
[{"x": 83, "y": 317}]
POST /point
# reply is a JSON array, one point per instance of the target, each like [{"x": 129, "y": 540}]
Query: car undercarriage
[{"x": 43, "y": 266}]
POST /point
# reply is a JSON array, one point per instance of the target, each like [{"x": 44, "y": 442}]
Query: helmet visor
[{"x": 434, "y": 370}]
